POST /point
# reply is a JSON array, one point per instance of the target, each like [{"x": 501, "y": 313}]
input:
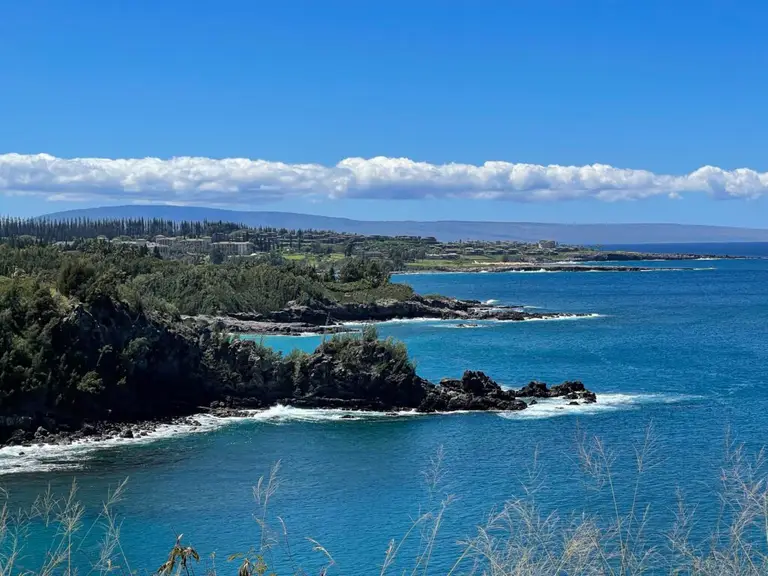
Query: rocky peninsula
[
  {"x": 93, "y": 344},
  {"x": 118, "y": 372},
  {"x": 353, "y": 373},
  {"x": 327, "y": 317},
  {"x": 497, "y": 267}
]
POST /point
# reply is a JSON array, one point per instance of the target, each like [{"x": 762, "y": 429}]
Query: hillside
[
  {"x": 446, "y": 230},
  {"x": 91, "y": 340}
]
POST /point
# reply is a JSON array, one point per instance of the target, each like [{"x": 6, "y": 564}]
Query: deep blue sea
[
  {"x": 753, "y": 249},
  {"x": 686, "y": 350}
]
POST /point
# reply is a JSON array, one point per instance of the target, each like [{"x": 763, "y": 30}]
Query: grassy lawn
[
  {"x": 466, "y": 261},
  {"x": 312, "y": 258},
  {"x": 362, "y": 292}
]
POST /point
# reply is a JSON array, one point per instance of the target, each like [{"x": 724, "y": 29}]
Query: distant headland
[{"x": 444, "y": 231}]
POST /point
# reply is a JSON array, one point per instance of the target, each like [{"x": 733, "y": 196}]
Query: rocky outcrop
[
  {"x": 477, "y": 391},
  {"x": 602, "y": 256},
  {"x": 353, "y": 374},
  {"x": 416, "y": 307},
  {"x": 106, "y": 370},
  {"x": 256, "y": 324},
  {"x": 568, "y": 390},
  {"x": 549, "y": 267},
  {"x": 329, "y": 317},
  {"x": 474, "y": 391}
]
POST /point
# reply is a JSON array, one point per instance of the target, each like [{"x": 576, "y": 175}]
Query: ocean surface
[
  {"x": 753, "y": 249},
  {"x": 684, "y": 350}
]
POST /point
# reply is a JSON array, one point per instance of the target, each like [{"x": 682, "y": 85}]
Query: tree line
[{"x": 43, "y": 230}]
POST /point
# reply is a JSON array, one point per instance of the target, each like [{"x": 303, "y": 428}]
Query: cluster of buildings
[
  {"x": 205, "y": 245},
  {"x": 237, "y": 243},
  {"x": 247, "y": 242}
]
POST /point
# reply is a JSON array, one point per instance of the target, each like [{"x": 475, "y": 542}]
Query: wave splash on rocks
[{"x": 319, "y": 317}]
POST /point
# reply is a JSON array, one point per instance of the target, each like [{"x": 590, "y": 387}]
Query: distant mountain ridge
[{"x": 444, "y": 230}]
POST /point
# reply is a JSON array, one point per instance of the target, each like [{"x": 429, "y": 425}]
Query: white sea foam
[
  {"x": 552, "y": 407},
  {"x": 539, "y": 271},
  {"x": 555, "y": 318},
  {"x": 603, "y": 268},
  {"x": 484, "y": 322},
  {"x": 491, "y": 301},
  {"x": 678, "y": 269},
  {"x": 48, "y": 457},
  {"x": 279, "y": 414},
  {"x": 395, "y": 321},
  {"x": 45, "y": 457}
]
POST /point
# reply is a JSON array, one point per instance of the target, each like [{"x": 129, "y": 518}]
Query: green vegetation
[
  {"x": 95, "y": 333},
  {"x": 218, "y": 241},
  {"x": 138, "y": 276},
  {"x": 71, "y": 351}
]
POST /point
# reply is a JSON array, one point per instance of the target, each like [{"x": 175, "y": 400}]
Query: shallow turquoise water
[{"x": 686, "y": 350}]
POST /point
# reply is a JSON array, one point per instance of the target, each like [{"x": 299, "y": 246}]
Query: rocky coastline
[
  {"x": 474, "y": 391},
  {"x": 103, "y": 369},
  {"x": 330, "y": 317},
  {"x": 604, "y": 256},
  {"x": 543, "y": 267}
]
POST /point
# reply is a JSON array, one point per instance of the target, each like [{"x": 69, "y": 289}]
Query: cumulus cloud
[{"x": 241, "y": 181}]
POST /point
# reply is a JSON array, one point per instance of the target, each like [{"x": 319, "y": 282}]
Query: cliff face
[
  {"x": 102, "y": 361},
  {"x": 105, "y": 362}
]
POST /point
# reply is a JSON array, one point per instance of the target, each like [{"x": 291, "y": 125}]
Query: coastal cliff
[
  {"x": 92, "y": 342},
  {"x": 104, "y": 369}
]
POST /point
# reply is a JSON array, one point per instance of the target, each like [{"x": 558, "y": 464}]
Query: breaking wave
[
  {"x": 556, "y": 317},
  {"x": 46, "y": 457},
  {"x": 454, "y": 322},
  {"x": 280, "y": 413},
  {"x": 73, "y": 456},
  {"x": 553, "y": 407}
]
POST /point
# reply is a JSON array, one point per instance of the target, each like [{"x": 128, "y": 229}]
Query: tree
[
  {"x": 352, "y": 270},
  {"x": 91, "y": 383},
  {"x": 217, "y": 256},
  {"x": 74, "y": 278}
]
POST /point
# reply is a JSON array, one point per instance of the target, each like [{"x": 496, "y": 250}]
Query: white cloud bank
[{"x": 240, "y": 181}]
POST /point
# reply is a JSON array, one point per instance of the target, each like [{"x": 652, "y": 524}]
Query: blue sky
[{"x": 664, "y": 88}]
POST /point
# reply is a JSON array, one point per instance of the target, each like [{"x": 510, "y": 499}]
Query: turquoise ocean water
[{"x": 687, "y": 350}]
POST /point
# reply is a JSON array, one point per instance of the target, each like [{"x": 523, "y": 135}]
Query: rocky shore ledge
[
  {"x": 475, "y": 391},
  {"x": 355, "y": 375},
  {"x": 543, "y": 267},
  {"x": 331, "y": 317}
]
